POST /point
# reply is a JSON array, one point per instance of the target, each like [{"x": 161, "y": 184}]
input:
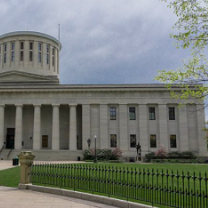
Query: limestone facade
[{"x": 38, "y": 114}]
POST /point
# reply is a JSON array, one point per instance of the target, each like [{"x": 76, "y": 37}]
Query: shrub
[
  {"x": 103, "y": 154},
  {"x": 149, "y": 156},
  {"x": 162, "y": 152}
]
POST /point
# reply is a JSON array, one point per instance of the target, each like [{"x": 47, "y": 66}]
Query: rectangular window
[
  {"x": 112, "y": 113},
  {"x": 132, "y": 113},
  {"x": 53, "y": 56},
  {"x": 21, "y": 51},
  {"x": 31, "y": 52},
  {"x": 171, "y": 113},
  {"x": 21, "y": 45},
  {"x": 47, "y": 54},
  {"x": 21, "y": 55},
  {"x": 133, "y": 140},
  {"x": 113, "y": 140},
  {"x": 152, "y": 113},
  {"x": 5, "y": 53},
  {"x": 153, "y": 142},
  {"x": 31, "y": 45},
  {"x": 13, "y": 51},
  {"x": 173, "y": 143},
  {"x": 39, "y": 52}
]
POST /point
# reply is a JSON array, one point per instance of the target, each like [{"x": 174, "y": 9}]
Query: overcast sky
[{"x": 104, "y": 41}]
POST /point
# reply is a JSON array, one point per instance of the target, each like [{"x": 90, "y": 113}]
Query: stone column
[
  {"x": 104, "y": 141},
  {"x": 55, "y": 128},
  {"x": 143, "y": 129},
  {"x": 201, "y": 135},
  {"x": 37, "y": 128},
  {"x": 1, "y": 126},
  {"x": 73, "y": 128},
  {"x": 123, "y": 127},
  {"x": 26, "y": 160},
  {"x": 163, "y": 127},
  {"x": 183, "y": 129},
  {"x": 18, "y": 127},
  {"x": 85, "y": 126}
]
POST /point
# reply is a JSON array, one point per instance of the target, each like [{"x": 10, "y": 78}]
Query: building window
[
  {"x": 113, "y": 140},
  {"x": 152, "y": 113},
  {"x": 132, "y": 113},
  {"x": 31, "y": 52},
  {"x": 21, "y": 51},
  {"x": 53, "y": 56},
  {"x": 13, "y": 51},
  {"x": 39, "y": 52},
  {"x": 5, "y": 53},
  {"x": 171, "y": 113},
  {"x": 153, "y": 141},
  {"x": 173, "y": 143},
  {"x": 133, "y": 140},
  {"x": 47, "y": 54},
  {"x": 112, "y": 113}
]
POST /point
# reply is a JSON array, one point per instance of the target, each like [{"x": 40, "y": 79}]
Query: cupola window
[
  {"x": 5, "y": 53},
  {"x": 53, "y": 56},
  {"x": 22, "y": 51},
  {"x": 12, "y": 52},
  {"x": 47, "y": 54},
  {"x": 39, "y": 52},
  {"x": 31, "y": 52}
]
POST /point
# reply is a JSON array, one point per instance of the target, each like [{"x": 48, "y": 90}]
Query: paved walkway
[{"x": 15, "y": 198}]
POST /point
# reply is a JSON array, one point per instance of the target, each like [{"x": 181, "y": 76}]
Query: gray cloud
[{"x": 105, "y": 41}]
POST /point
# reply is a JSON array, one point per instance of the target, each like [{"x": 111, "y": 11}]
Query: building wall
[{"x": 93, "y": 118}]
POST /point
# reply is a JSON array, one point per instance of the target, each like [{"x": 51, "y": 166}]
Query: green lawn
[{"x": 10, "y": 177}]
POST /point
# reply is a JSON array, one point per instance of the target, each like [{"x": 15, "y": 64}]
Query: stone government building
[{"x": 55, "y": 121}]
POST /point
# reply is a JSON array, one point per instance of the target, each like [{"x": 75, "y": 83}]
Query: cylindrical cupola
[{"x": 27, "y": 56}]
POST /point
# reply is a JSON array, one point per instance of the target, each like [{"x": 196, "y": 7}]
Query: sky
[{"x": 103, "y": 41}]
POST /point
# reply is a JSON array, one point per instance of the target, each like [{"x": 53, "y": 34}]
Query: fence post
[{"x": 26, "y": 160}]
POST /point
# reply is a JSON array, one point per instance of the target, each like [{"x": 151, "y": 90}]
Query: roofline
[{"x": 34, "y": 33}]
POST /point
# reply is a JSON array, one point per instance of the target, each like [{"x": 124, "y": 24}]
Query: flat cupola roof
[{"x": 32, "y": 33}]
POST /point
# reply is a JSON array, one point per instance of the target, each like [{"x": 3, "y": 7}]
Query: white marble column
[
  {"x": 18, "y": 127},
  {"x": 104, "y": 141},
  {"x": 37, "y": 128},
  {"x": 1, "y": 125},
  {"x": 183, "y": 129},
  {"x": 73, "y": 128},
  {"x": 85, "y": 126},
  {"x": 201, "y": 134},
  {"x": 55, "y": 128},
  {"x": 123, "y": 128},
  {"x": 163, "y": 127},
  {"x": 143, "y": 129}
]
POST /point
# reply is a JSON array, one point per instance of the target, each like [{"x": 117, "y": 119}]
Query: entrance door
[
  {"x": 10, "y": 138},
  {"x": 44, "y": 141}
]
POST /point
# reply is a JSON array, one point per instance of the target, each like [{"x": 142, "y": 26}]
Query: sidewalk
[{"x": 16, "y": 198}]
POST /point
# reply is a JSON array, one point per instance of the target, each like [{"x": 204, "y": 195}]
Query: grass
[{"x": 10, "y": 177}]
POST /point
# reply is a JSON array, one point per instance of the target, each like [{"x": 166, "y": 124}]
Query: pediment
[{"x": 16, "y": 76}]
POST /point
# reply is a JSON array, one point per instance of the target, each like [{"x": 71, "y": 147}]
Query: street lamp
[
  {"x": 89, "y": 143},
  {"x": 95, "y": 137}
]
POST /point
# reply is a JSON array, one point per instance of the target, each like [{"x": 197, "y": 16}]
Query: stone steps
[{"x": 47, "y": 155}]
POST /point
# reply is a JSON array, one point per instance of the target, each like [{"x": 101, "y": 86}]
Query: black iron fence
[{"x": 164, "y": 188}]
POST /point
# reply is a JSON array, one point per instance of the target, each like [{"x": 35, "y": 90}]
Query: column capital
[
  {"x": 55, "y": 105},
  {"x": 37, "y": 105},
  {"x": 2, "y": 105},
  {"x": 19, "y": 105},
  {"x": 73, "y": 105}
]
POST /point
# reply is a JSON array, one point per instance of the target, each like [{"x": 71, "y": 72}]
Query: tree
[{"x": 192, "y": 26}]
